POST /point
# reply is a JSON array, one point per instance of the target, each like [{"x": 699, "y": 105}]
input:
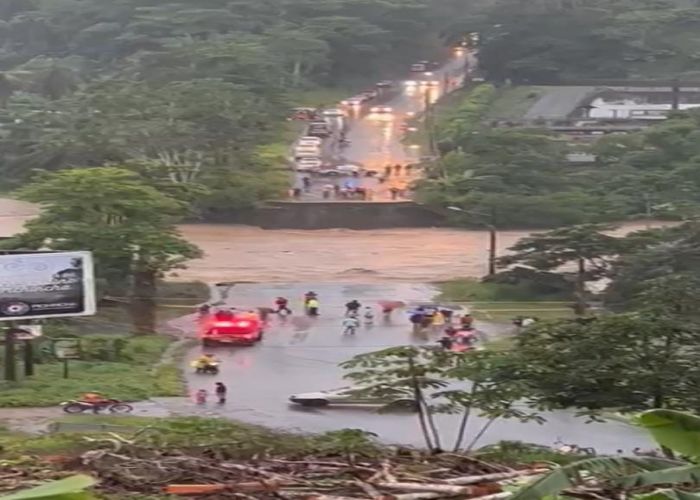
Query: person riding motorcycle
[
  {"x": 94, "y": 399},
  {"x": 205, "y": 361}
]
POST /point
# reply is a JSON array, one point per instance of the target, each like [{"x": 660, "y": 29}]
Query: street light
[{"x": 492, "y": 235}]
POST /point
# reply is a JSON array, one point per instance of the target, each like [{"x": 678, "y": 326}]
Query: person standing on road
[
  {"x": 220, "y": 391},
  {"x": 307, "y": 183},
  {"x": 282, "y": 305},
  {"x": 312, "y": 306},
  {"x": 327, "y": 190},
  {"x": 387, "y": 171},
  {"x": 394, "y": 191},
  {"x": 352, "y": 307},
  {"x": 466, "y": 321},
  {"x": 417, "y": 320},
  {"x": 438, "y": 321}
]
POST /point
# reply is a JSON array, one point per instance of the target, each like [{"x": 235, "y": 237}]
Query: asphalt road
[
  {"x": 375, "y": 138},
  {"x": 302, "y": 355}
]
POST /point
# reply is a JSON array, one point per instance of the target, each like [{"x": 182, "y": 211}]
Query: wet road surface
[
  {"x": 376, "y": 138},
  {"x": 302, "y": 355}
]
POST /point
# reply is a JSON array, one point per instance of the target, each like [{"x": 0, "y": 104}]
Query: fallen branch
[
  {"x": 205, "y": 489},
  {"x": 370, "y": 490},
  {"x": 496, "y": 476},
  {"x": 448, "y": 489}
]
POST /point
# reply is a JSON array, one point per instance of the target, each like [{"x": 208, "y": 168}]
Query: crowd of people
[
  {"x": 392, "y": 183},
  {"x": 458, "y": 331}
]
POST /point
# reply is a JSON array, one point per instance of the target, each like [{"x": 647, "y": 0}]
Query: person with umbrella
[{"x": 388, "y": 307}]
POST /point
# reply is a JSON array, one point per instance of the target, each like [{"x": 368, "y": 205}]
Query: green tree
[
  {"x": 671, "y": 255},
  {"x": 441, "y": 382},
  {"x": 586, "y": 247},
  {"x": 627, "y": 362},
  {"x": 127, "y": 224}
]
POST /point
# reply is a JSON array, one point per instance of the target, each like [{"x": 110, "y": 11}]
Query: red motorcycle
[{"x": 113, "y": 405}]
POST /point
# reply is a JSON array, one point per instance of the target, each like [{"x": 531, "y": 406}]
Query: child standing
[
  {"x": 200, "y": 397},
  {"x": 220, "y": 391}
]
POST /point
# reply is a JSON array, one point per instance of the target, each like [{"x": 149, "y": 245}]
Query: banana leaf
[
  {"x": 69, "y": 488},
  {"x": 603, "y": 468},
  {"x": 668, "y": 495},
  {"x": 676, "y": 430},
  {"x": 684, "y": 474}
]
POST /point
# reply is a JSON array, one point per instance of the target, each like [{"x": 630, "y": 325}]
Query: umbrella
[{"x": 390, "y": 304}]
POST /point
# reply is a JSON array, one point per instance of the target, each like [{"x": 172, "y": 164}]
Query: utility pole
[
  {"x": 10, "y": 361},
  {"x": 28, "y": 358},
  {"x": 676, "y": 95},
  {"x": 429, "y": 123},
  {"x": 492, "y": 249},
  {"x": 493, "y": 235}
]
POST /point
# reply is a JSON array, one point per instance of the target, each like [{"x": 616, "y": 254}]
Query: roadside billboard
[{"x": 46, "y": 285}]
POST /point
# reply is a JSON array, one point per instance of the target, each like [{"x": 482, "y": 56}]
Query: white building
[{"x": 632, "y": 109}]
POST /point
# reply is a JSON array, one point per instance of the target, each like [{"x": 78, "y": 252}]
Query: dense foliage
[
  {"x": 127, "y": 224},
  {"x": 520, "y": 177},
  {"x": 550, "y": 41},
  {"x": 191, "y": 90}
]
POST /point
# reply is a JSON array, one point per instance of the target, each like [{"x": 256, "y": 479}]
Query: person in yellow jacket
[
  {"x": 438, "y": 321},
  {"x": 312, "y": 306}
]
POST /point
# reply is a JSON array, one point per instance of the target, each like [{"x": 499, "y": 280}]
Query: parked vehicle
[
  {"x": 319, "y": 129},
  {"x": 352, "y": 101},
  {"x": 348, "y": 169},
  {"x": 369, "y": 94},
  {"x": 310, "y": 139},
  {"x": 309, "y": 164},
  {"x": 349, "y": 396},
  {"x": 333, "y": 112},
  {"x": 112, "y": 405},
  {"x": 312, "y": 151},
  {"x": 381, "y": 109},
  {"x": 244, "y": 328},
  {"x": 418, "y": 68}
]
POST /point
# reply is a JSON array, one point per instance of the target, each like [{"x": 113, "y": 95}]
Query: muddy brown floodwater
[{"x": 243, "y": 253}]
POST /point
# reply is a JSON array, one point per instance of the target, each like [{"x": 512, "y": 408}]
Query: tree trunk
[
  {"x": 480, "y": 433},
  {"x": 464, "y": 422},
  {"x": 580, "y": 305},
  {"x": 420, "y": 405},
  {"x": 296, "y": 73},
  {"x": 143, "y": 302}
]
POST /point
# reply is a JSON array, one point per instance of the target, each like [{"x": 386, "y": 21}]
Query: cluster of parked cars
[{"x": 368, "y": 95}]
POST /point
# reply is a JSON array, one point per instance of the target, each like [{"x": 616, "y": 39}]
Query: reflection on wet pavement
[
  {"x": 303, "y": 356},
  {"x": 376, "y": 139}
]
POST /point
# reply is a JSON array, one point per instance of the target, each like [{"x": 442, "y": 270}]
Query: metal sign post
[
  {"x": 65, "y": 350},
  {"x": 10, "y": 361}
]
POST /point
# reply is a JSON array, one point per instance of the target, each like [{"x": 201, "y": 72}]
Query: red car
[{"x": 244, "y": 328}]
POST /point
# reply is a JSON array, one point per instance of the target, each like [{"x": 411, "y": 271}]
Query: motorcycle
[
  {"x": 210, "y": 369},
  {"x": 113, "y": 405}
]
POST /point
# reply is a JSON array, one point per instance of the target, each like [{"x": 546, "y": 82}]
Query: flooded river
[{"x": 242, "y": 253}]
